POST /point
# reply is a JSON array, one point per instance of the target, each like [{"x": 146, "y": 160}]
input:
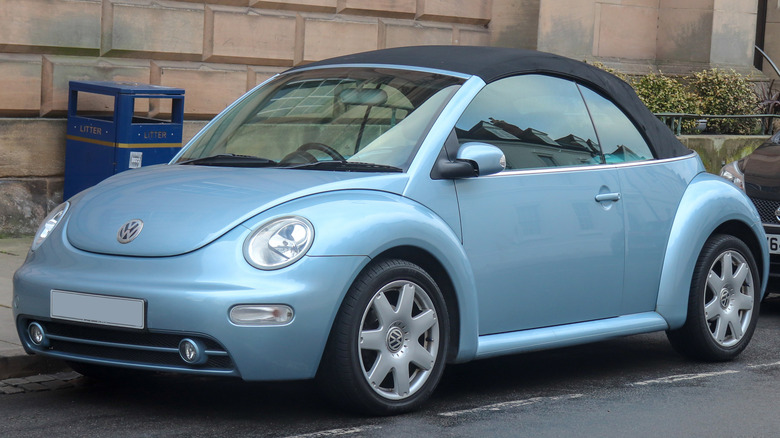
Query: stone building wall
[
  {"x": 639, "y": 36},
  {"x": 215, "y": 49},
  {"x": 221, "y": 48},
  {"x": 218, "y": 49},
  {"x": 772, "y": 37}
]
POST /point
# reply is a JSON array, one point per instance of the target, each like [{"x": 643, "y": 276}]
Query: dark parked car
[{"x": 758, "y": 175}]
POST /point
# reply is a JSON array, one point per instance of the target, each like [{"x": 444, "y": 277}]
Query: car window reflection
[{"x": 538, "y": 121}]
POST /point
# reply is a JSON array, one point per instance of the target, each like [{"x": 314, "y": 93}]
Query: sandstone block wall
[
  {"x": 215, "y": 49},
  {"x": 676, "y": 36},
  {"x": 772, "y": 38}
]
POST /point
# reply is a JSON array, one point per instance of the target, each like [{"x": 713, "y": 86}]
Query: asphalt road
[{"x": 636, "y": 386}]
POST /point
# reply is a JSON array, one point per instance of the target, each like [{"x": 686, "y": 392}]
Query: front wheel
[
  {"x": 388, "y": 346},
  {"x": 723, "y": 303}
]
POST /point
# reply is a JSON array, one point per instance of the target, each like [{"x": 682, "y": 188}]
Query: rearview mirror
[{"x": 360, "y": 96}]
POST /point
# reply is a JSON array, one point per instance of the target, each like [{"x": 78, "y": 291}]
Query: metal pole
[{"x": 770, "y": 60}]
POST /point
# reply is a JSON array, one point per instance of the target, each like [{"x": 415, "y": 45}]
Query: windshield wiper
[
  {"x": 347, "y": 166},
  {"x": 232, "y": 160}
]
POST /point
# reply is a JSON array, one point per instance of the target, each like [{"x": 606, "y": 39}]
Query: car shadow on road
[
  {"x": 562, "y": 369},
  {"x": 617, "y": 362},
  {"x": 510, "y": 376}
]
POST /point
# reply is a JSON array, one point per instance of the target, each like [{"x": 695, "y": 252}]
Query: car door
[
  {"x": 650, "y": 193},
  {"x": 545, "y": 238}
]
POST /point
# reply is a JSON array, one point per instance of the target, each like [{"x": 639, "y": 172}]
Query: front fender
[
  {"x": 708, "y": 202},
  {"x": 368, "y": 223}
]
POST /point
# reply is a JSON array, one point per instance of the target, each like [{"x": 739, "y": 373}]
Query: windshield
[{"x": 367, "y": 119}]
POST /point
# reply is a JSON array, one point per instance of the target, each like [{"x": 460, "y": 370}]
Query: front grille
[
  {"x": 131, "y": 347},
  {"x": 766, "y": 209}
]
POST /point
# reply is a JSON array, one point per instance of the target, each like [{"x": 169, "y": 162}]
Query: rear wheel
[
  {"x": 388, "y": 346},
  {"x": 723, "y": 303}
]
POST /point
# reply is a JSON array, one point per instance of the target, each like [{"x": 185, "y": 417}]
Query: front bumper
[
  {"x": 767, "y": 210},
  {"x": 773, "y": 282},
  {"x": 188, "y": 296}
]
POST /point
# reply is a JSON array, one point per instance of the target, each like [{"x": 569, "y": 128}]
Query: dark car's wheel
[
  {"x": 387, "y": 350},
  {"x": 723, "y": 303}
]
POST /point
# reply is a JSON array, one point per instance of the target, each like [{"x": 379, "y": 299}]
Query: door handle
[{"x": 605, "y": 197}]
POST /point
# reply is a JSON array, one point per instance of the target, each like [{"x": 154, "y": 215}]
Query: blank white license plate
[
  {"x": 774, "y": 243},
  {"x": 97, "y": 309}
]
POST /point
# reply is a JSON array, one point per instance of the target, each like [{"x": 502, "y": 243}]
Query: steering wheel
[{"x": 302, "y": 152}]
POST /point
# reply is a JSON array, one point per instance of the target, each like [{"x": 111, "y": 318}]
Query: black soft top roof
[{"x": 493, "y": 63}]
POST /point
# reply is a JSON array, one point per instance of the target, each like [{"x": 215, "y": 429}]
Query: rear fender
[{"x": 708, "y": 202}]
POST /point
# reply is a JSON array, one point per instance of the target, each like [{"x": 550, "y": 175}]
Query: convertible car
[{"x": 368, "y": 219}]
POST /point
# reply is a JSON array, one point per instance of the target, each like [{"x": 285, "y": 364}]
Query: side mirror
[{"x": 486, "y": 158}]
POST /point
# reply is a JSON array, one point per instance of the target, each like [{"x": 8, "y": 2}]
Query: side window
[
  {"x": 619, "y": 138},
  {"x": 538, "y": 121}
]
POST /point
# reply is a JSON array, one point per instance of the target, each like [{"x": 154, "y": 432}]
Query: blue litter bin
[{"x": 100, "y": 145}]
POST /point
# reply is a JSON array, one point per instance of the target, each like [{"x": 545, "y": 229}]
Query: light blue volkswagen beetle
[{"x": 367, "y": 219}]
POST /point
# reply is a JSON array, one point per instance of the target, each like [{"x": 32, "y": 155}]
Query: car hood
[
  {"x": 185, "y": 207},
  {"x": 762, "y": 172}
]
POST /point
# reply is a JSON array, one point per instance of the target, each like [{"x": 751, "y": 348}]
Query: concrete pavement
[{"x": 14, "y": 362}]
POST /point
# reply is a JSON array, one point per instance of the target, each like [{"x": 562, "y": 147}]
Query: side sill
[{"x": 567, "y": 335}]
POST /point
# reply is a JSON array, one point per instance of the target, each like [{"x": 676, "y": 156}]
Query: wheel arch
[
  {"x": 430, "y": 264},
  {"x": 392, "y": 226},
  {"x": 709, "y": 206}
]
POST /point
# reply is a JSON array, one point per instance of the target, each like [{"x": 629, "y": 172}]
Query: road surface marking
[
  {"x": 509, "y": 405},
  {"x": 683, "y": 377},
  {"x": 765, "y": 365},
  {"x": 337, "y": 432}
]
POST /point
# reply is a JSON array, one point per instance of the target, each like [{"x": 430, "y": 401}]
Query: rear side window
[
  {"x": 619, "y": 138},
  {"x": 538, "y": 121}
]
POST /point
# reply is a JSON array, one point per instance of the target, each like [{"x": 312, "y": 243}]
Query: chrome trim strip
[
  {"x": 391, "y": 66},
  {"x": 139, "y": 365},
  {"x": 128, "y": 346},
  {"x": 539, "y": 170},
  {"x": 113, "y": 344}
]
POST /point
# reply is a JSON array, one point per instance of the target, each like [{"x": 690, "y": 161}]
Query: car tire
[
  {"x": 388, "y": 345},
  {"x": 723, "y": 303}
]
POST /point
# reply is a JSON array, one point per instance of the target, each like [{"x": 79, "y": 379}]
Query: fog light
[
  {"x": 192, "y": 352},
  {"x": 256, "y": 314},
  {"x": 37, "y": 335}
]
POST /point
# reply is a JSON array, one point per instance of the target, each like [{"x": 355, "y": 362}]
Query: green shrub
[
  {"x": 664, "y": 94},
  {"x": 714, "y": 92},
  {"x": 722, "y": 92}
]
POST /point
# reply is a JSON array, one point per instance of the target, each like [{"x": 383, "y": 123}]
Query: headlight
[
  {"x": 733, "y": 173},
  {"x": 279, "y": 243},
  {"x": 49, "y": 224}
]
